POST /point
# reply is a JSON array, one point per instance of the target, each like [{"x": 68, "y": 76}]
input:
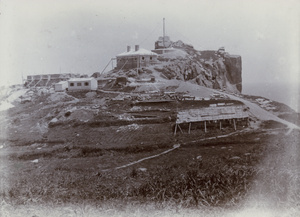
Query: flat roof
[
  {"x": 211, "y": 114},
  {"x": 139, "y": 52},
  {"x": 62, "y": 82},
  {"x": 81, "y": 79}
]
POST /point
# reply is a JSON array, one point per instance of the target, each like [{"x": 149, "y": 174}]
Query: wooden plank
[
  {"x": 205, "y": 126},
  {"x": 180, "y": 129},
  {"x": 190, "y": 128},
  {"x": 175, "y": 129},
  {"x": 234, "y": 124}
]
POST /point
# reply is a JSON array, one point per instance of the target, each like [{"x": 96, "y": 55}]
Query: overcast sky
[{"x": 42, "y": 36}]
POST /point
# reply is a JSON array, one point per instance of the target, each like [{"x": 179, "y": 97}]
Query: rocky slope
[{"x": 213, "y": 69}]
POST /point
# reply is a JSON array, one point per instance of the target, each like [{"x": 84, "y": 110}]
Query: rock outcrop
[
  {"x": 233, "y": 65},
  {"x": 214, "y": 69}
]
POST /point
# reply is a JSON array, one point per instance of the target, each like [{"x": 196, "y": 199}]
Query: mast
[{"x": 164, "y": 33}]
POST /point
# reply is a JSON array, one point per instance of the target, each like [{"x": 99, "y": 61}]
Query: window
[
  {"x": 72, "y": 84},
  {"x": 78, "y": 84},
  {"x": 150, "y": 58},
  {"x": 86, "y": 83},
  {"x": 143, "y": 58}
]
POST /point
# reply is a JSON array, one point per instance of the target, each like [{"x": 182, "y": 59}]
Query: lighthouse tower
[{"x": 164, "y": 41}]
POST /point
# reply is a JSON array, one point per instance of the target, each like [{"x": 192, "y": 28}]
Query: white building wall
[
  {"x": 90, "y": 84},
  {"x": 61, "y": 86}
]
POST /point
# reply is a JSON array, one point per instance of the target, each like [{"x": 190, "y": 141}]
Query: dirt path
[
  {"x": 260, "y": 113},
  {"x": 146, "y": 158},
  {"x": 256, "y": 110}
]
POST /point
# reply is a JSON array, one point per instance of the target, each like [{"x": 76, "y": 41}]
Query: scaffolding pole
[
  {"x": 107, "y": 65},
  {"x": 234, "y": 124}
]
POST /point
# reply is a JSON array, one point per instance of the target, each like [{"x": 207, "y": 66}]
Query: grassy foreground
[{"x": 238, "y": 171}]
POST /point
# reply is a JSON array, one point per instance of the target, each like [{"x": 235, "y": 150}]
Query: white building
[
  {"x": 136, "y": 58},
  {"x": 82, "y": 84},
  {"x": 61, "y": 86}
]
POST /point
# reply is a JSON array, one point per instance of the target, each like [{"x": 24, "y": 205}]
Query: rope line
[{"x": 147, "y": 37}]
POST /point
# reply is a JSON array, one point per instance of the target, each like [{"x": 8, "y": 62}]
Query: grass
[
  {"x": 194, "y": 188},
  {"x": 187, "y": 189},
  {"x": 185, "y": 181},
  {"x": 221, "y": 172},
  {"x": 217, "y": 174}
]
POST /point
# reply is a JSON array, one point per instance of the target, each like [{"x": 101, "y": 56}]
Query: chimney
[
  {"x": 128, "y": 48},
  {"x": 137, "y": 47}
]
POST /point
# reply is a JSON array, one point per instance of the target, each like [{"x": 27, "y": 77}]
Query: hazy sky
[{"x": 81, "y": 36}]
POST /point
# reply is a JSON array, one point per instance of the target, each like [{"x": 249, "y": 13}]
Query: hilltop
[{"x": 213, "y": 69}]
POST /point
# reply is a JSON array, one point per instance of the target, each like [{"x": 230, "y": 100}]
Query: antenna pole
[{"x": 164, "y": 32}]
